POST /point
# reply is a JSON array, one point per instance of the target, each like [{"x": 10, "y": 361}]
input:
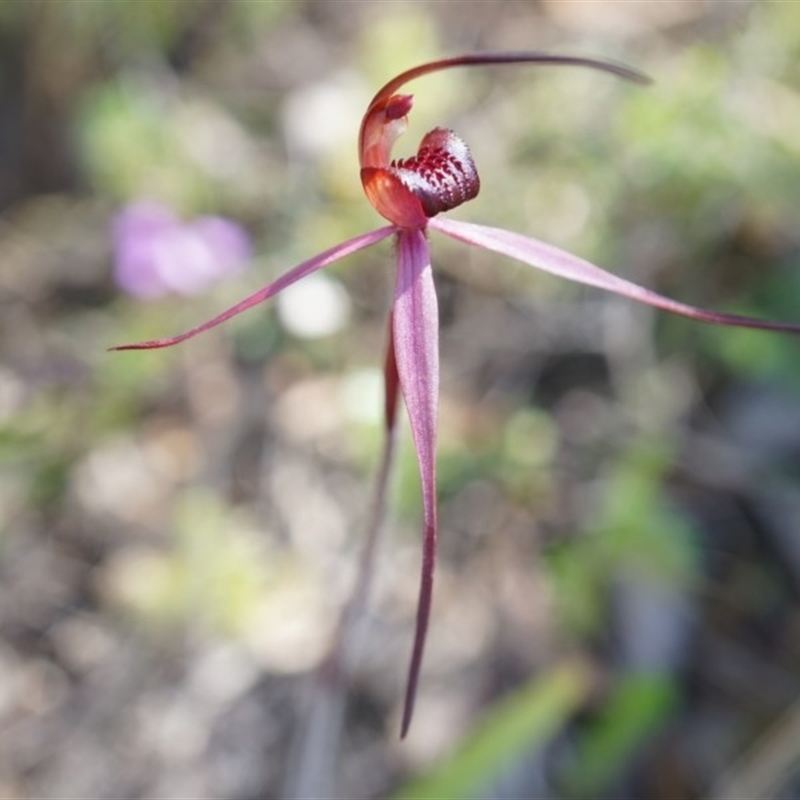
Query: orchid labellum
[{"x": 410, "y": 193}]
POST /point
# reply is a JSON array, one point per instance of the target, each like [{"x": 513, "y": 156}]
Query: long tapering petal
[
  {"x": 416, "y": 348},
  {"x": 318, "y": 262},
  {"x": 564, "y": 265}
]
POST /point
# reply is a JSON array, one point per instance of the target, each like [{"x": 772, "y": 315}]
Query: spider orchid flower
[{"x": 410, "y": 193}]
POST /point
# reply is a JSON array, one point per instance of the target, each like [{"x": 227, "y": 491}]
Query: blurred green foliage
[
  {"x": 635, "y": 532},
  {"x": 523, "y": 721},
  {"x": 633, "y": 713}
]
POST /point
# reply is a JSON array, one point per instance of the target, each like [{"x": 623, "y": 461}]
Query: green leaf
[
  {"x": 634, "y": 711},
  {"x": 522, "y": 722}
]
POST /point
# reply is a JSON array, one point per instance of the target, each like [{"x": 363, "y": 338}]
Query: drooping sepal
[{"x": 415, "y": 337}]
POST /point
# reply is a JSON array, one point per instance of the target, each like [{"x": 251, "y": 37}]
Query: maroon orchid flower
[{"x": 410, "y": 193}]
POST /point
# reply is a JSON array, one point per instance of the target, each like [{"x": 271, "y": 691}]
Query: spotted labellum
[
  {"x": 410, "y": 193},
  {"x": 442, "y": 175}
]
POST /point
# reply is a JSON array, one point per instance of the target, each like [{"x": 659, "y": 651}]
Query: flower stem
[{"x": 312, "y": 765}]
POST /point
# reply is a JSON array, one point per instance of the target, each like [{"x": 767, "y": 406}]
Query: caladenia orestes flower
[{"x": 410, "y": 193}]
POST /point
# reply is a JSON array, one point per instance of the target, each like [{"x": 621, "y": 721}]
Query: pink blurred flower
[{"x": 156, "y": 254}]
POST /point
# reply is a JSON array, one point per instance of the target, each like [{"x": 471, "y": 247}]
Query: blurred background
[{"x": 616, "y": 611}]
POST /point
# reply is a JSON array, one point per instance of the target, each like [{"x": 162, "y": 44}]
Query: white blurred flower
[{"x": 318, "y": 306}]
